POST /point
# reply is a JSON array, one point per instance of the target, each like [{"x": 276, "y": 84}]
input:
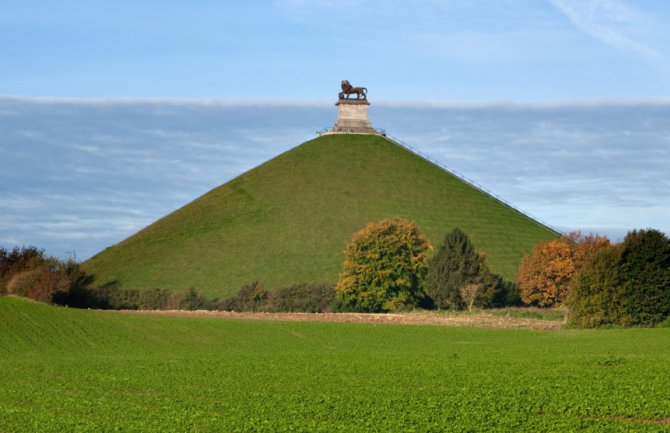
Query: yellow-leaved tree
[{"x": 384, "y": 268}]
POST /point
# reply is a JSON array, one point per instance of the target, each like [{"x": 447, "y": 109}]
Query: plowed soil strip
[{"x": 479, "y": 320}]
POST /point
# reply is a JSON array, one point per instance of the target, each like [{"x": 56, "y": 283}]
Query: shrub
[
  {"x": 157, "y": 299},
  {"x": 508, "y": 296},
  {"x": 470, "y": 293},
  {"x": 250, "y": 297},
  {"x": 192, "y": 300},
  {"x": 121, "y": 299},
  {"x": 41, "y": 283},
  {"x": 114, "y": 298},
  {"x": 18, "y": 258},
  {"x": 497, "y": 292},
  {"x": 308, "y": 298},
  {"x": 29, "y": 272},
  {"x": 384, "y": 267},
  {"x": 16, "y": 261}
]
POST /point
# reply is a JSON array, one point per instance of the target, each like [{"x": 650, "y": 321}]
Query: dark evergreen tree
[
  {"x": 645, "y": 274},
  {"x": 454, "y": 265}
]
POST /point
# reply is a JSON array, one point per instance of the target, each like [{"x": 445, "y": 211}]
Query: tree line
[
  {"x": 387, "y": 268},
  {"x": 601, "y": 283},
  {"x": 30, "y": 273},
  {"x": 390, "y": 266}
]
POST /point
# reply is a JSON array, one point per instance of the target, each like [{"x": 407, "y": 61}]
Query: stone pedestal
[{"x": 352, "y": 118}]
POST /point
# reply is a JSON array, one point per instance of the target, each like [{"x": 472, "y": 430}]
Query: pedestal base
[{"x": 352, "y": 118}]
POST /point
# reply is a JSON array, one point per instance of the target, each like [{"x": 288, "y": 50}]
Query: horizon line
[{"x": 281, "y": 102}]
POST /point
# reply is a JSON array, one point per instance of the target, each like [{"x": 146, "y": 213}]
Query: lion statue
[{"x": 348, "y": 90}]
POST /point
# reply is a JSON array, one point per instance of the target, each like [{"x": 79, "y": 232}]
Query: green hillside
[
  {"x": 289, "y": 219},
  {"x": 71, "y": 370}
]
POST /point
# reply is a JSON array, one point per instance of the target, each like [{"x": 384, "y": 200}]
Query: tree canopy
[
  {"x": 645, "y": 275},
  {"x": 459, "y": 277},
  {"x": 627, "y": 284},
  {"x": 544, "y": 275},
  {"x": 454, "y": 265},
  {"x": 384, "y": 267}
]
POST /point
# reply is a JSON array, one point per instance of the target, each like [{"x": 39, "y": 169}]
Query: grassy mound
[
  {"x": 68, "y": 370},
  {"x": 288, "y": 220}
]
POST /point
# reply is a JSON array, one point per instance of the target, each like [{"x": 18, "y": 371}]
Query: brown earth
[{"x": 474, "y": 320}]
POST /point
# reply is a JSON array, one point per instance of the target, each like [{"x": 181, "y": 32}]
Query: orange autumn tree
[{"x": 545, "y": 274}]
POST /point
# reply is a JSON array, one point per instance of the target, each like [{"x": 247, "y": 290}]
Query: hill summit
[{"x": 289, "y": 219}]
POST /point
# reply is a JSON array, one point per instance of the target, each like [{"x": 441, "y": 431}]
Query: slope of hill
[{"x": 289, "y": 219}]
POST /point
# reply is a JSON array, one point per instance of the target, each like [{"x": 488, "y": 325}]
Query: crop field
[{"x": 66, "y": 370}]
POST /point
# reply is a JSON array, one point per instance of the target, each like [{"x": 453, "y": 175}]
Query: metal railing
[{"x": 460, "y": 176}]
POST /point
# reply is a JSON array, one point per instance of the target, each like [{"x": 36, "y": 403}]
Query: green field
[
  {"x": 289, "y": 220},
  {"x": 66, "y": 370}
]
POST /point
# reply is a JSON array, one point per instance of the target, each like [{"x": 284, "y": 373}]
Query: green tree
[
  {"x": 627, "y": 284},
  {"x": 595, "y": 291},
  {"x": 384, "y": 267},
  {"x": 455, "y": 265},
  {"x": 645, "y": 275}
]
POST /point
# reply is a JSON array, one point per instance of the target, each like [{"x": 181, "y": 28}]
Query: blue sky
[
  {"x": 530, "y": 50},
  {"x": 114, "y": 113}
]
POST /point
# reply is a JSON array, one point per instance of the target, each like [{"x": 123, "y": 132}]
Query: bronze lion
[{"x": 348, "y": 90}]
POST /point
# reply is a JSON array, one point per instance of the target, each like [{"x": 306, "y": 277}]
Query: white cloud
[
  {"x": 610, "y": 21},
  {"x": 582, "y": 103},
  {"x": 92, "y": 173},
  {"x": 159, "y": 102},
  {"x": 297, "y": 103}
]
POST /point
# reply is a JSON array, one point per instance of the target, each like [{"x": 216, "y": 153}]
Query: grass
[
  {"x": 66, "y": 370},
  {"x": 289, "y": 220},
  {"x": 552, "y": 314}
]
